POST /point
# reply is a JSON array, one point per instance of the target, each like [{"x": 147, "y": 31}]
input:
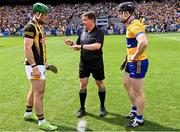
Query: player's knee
[
  {"x": 138, "y": 92},
  {"x": 39, "y": 94}
]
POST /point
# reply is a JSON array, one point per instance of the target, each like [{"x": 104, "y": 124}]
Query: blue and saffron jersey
[{"x": 133, "y": 30}]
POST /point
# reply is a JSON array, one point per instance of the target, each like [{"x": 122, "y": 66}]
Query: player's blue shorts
[{"x": 137, "y": 69}]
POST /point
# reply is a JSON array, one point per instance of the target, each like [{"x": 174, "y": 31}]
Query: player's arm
[
  {"x": 28, "y": 43},
  {"x": 142, "y": 44},
  {"x": 29, "y": 34}
]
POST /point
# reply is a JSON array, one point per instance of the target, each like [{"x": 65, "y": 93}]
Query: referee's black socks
[
  {"x": 102, "y": 95},
  {"x": 82, "y": 97}
]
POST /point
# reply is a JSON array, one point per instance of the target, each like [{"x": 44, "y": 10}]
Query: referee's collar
[{"x": 95, "y": 27}]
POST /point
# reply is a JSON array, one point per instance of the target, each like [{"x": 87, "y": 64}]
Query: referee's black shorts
[{"x": 96, "y": 67}]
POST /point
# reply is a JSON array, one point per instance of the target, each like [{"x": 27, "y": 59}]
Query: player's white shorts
[{"x": 41, "y": 68}]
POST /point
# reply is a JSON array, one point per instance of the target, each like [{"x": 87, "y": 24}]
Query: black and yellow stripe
[{"x": 34, "y": 30}]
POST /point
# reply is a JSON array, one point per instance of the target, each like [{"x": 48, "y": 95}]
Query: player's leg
[
  {"x": 127, "y": 85},
  {"x": 30, "y": 97},
  {"x": 38, "y": 87},
  {"x": 137, "y": 85},
  {"x": 28, "y": 115}
]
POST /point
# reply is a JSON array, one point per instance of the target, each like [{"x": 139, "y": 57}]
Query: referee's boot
[
  {"x": 102, "y": 112},
  {"x": 81, "y": 112},
  {"x": 131, "y": 115}
]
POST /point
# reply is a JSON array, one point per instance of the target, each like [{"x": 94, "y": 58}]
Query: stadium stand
[{"x": 66, "y": 18}]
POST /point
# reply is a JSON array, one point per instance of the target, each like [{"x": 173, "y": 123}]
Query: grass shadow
[
  {"x": 115, "y": 119},
  {"x": 32, "y": 121},
  {"x": 65, "y": 128},
  {"x": 118, "y": 119},
  {"x": 69, "y": 127},
  {"x": 152, "y": 126}
]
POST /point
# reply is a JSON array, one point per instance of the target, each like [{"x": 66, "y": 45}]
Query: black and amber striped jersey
[{"x": 34, "y": 31}]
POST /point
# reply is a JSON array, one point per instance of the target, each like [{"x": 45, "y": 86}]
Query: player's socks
[
  {"x": 133, "y": 109},
  {"x": 139, "y": 118},
  {"x": 132, "y": 113},
  {"x": 41, "y": 119},
  {"x": 82, "y": 97},
  {"x": 28, "y": 110},
  {"x": 28, "y": 115}
]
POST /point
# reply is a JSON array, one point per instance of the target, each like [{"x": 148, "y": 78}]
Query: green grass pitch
[{"x": 61, "y": 101}]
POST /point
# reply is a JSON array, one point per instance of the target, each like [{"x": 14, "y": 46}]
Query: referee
[{"x": 90, "y": 42}]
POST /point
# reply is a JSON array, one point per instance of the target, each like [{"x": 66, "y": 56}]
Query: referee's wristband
[{"x": 81, "y": 46}]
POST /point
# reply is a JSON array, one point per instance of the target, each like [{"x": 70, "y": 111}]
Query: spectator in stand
[{"x": 153, "y": 14}]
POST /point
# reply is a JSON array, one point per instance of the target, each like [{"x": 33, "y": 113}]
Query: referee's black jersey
[
  {"x": 95, "y": 36},
  {"x": 34, "y": 31}
]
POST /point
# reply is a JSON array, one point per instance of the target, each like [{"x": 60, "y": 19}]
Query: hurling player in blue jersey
[{"x": 137, "y": 62}]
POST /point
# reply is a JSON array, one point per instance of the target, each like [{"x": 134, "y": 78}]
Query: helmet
[
  {"x": 127, "y": 6},
  {"x": 40, "y": 7}
]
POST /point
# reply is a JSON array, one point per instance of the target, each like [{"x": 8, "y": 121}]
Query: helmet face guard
[
  {"x": 42, "y": 9},
  {"x": 126, "y": 6}
]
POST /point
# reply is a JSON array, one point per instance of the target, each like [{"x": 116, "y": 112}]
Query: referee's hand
[
  {"x": 68, "y": 42},
  {"x": 76, "y": 47}
]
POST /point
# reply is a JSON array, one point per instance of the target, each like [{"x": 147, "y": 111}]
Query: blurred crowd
[
  {"x": 160, "y": 17},
  {"x": 66, "y": 18}
]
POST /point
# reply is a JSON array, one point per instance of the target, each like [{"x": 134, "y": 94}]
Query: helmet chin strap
[
  {"x": 38, "y": 17},
  {"x": 126, "y": 18}
]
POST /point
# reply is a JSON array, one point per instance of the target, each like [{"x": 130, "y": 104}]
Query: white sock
[
  {"x": 27, "y": 113},
  {"x": 40, "y": 122},
  {"x": 139, "y": 120},
  {"x": 135, "y": 111}
]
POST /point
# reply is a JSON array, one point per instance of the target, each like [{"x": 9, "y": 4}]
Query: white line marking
[
  {"x": 11, "y": 48},
  {"x": 170, "y": 37}
]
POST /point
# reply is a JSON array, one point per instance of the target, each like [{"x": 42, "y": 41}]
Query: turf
[{"x": 162, "y": 87}]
